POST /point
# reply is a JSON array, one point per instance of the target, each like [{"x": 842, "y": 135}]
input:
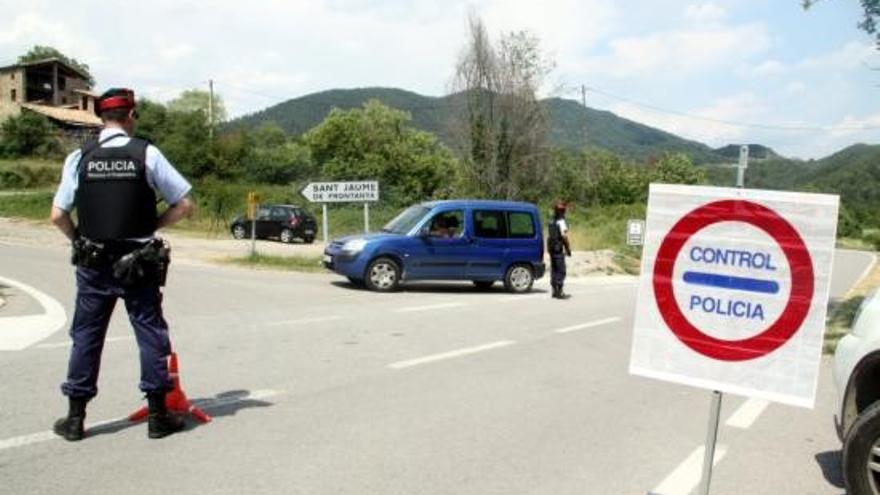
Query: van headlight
[{"x": 354, "y": 246}]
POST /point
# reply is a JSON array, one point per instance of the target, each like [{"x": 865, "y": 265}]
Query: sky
[{"x": 720, "y": 72}]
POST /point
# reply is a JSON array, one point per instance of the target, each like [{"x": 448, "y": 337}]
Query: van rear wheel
[{"x": 519, "y": 279}]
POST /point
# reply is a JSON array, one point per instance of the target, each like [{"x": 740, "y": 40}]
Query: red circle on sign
[{"x": 789, "y": 241}]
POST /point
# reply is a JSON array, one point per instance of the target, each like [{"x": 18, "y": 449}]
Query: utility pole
[
  {"x": 211, "y": 110},
  {"x": 584, "y": 103}
]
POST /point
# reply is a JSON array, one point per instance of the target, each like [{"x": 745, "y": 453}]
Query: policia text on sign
[{"x": 734, "y": 306}]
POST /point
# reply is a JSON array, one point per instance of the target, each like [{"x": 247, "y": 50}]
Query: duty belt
[{"x": 130, "y": 261}]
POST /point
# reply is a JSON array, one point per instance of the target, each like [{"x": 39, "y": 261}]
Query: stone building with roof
[{"x": 54, "y": 89}]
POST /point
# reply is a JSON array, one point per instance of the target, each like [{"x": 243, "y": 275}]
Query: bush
[
  {"x": 29, "y": 134},
  {"x": 27, "y": 174}
]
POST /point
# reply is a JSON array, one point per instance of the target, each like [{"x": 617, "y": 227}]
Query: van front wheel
[
  {"x": 383, "y": 275},
  {"x": 519, "y": 279}
]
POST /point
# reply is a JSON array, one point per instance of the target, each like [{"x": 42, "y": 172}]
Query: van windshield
[{"x": 405, "y": 222}]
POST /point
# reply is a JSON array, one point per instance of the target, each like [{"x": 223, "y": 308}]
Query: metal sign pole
[
  {"x": 325, "y": 222},
  {"x": 366, "y": 218},
  {"x": 254, "y": 232},
  {"x": 742, "y": 165},
  {"x": 715, "y": 410},
  {"x": 711, "y": 439}
]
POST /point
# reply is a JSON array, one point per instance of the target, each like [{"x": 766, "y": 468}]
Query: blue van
[{"x": 481, "y": 241}]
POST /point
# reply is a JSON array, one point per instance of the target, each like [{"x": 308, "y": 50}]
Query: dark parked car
[{"x": 284, "y": 222}]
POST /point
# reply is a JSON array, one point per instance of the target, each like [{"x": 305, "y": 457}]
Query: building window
[
  {"x": 85, "y": 103},
  {"x": 12, "y": 76},
  {"x": 13, "y": 95},
  {"x": 64, "y": 100},
  {"x": 62, "y": 83}
]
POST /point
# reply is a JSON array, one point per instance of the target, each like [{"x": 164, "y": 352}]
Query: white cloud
[
  {"x": 767, "y": 68},
  {"x": 176, "y": 52},
  {"x": 705, "y": 12},
  {"x": 710, "y": 126},
  {"x": 795, "y": 88},
  {"x": 852, "y": 55},
  {"x": 683, "y": 52},
  {"x": 30, "y": 28},
  {"x": 853, "y": 126}
]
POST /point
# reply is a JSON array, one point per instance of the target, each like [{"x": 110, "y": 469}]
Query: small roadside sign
[
  {"x": 734, "y": 290},
  {"x": 252, "y": 200},
  {"x": 635, "y": 232},
  {"x": 342, "y": 192}
]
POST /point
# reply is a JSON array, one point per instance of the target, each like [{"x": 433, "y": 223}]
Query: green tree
[
  {"x": 183, "y": 138},
  {"x": 40, "y": 52},
  {"x": 503, "y": 136},
  {"x": 274, "y": 158},
  {"x": 677, "y": 168},
  {"x": 618, "y": 182},
  {"x": 28, "y": 134},
  {"x": 193, "y": 100},
  {"x": 376, "y": 142}
]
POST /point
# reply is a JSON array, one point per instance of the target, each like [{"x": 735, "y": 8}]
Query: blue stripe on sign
[{"x": 730, "y": 282}]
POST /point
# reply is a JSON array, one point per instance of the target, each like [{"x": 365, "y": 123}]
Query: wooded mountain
[
  {"x": 854, "y": 172},
  {"x": 571, "y": 125}
]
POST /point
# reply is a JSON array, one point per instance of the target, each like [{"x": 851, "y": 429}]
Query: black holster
[
  {"x": 88, "y": 253},
  {"x": 148, "y": 263}
]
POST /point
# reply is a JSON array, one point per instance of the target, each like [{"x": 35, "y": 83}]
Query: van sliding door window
[{"x": 490, "y": 224}]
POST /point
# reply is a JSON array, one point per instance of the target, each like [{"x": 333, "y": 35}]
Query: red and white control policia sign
[{"x": 734, "y": 289}]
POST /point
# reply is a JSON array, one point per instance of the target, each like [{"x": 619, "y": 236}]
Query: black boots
[
  {"x": 160, "y": 422},
  {"x": 557, "y": 292},
  {"x": 72, "y": 428}
]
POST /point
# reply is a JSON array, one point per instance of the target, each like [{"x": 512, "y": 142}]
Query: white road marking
[
  {"x": 413, "y": 309},
  {"x": 56, "y": 345},
  {"x": 868, "y": 269},
  {"x": 451, "y": 354},
  {"x": 687, "y": 475},
  {"x": 20, "y": 332},
  {"x": 207, "y": 404},
  {"x": 590, "y": 324},
  {"x": 746, "y": 414},
  {"x": 300, "y": 321},
  {"x": 520, "y": 297}
]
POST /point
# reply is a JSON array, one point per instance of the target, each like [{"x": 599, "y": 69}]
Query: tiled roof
[{"x": 76, "y": 117}]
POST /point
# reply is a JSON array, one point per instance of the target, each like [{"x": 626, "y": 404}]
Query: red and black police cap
[{"x": 114, "y": 99}]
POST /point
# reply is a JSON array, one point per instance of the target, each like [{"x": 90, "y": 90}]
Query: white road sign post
[
  {"x": 342, "y": 192},
  {"x": 733, "y": 293},
  {"x": 635, "y": 232}
]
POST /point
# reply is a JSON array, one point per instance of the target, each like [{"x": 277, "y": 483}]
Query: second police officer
[
  {"x": 558, "y": 247},
  {"x": 112, "y": 183}
]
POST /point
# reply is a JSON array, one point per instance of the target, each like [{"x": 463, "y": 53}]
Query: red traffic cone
[{"x": 176, "y": 400}]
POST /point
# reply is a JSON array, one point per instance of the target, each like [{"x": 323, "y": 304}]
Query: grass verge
[
  {"x": 841, "y": 315},
  {"x": 308, "y": 264},
  {"x": 33, "y": 205}
]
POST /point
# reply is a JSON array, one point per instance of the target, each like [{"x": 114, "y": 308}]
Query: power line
[{"x": 733, "y": 123}]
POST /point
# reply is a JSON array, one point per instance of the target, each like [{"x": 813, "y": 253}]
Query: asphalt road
[{"x": 320, "y": 388}]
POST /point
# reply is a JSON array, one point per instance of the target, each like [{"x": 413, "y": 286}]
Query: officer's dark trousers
[
  {"x": 557, "y": 269},
  {"x": 97, "y": 292}
]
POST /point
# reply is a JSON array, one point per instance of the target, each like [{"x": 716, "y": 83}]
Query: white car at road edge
[{"x": 857, "y": 377}]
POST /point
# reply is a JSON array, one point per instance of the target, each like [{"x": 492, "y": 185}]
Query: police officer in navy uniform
[
  {"x": 559, "y": 248},
  {"x": 113, "y": 182}
]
